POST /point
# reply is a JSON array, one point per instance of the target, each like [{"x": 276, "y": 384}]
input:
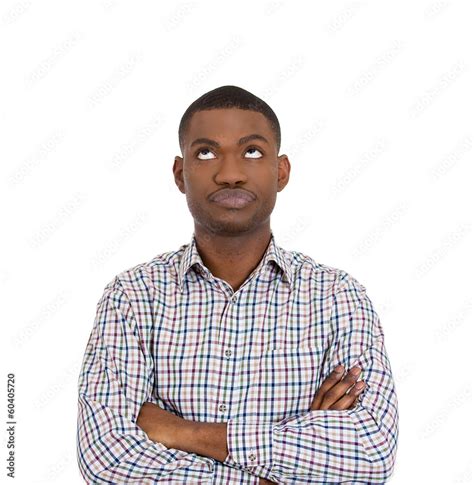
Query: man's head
[{"x": 230, "y": 139}]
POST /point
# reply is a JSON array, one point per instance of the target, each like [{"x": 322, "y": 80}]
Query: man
[{"x": 225, "y": 361}]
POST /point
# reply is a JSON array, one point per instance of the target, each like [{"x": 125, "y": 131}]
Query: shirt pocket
[{"x": 284, "y": 380}]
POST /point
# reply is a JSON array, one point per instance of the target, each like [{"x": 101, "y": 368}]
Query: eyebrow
[{"x": 244, "y": 139}]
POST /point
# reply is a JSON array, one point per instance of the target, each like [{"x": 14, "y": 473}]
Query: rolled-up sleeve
[
  {"x": 333, "y": 446},
  {"x": 115, "y": 380}
]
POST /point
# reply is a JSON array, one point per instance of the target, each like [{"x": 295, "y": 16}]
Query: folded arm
[
  {"x": 116, "y": 378},
  {"x": 323, "y": 446},
  {"x": 201, "y": 438}
]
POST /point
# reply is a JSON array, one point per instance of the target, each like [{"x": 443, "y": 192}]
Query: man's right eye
[{"x": 204, "y": 150}]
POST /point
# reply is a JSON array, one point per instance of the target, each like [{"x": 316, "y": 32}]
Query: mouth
[
  {"x": 233, "y": 198},
  {"x": 233, "y": 202}
]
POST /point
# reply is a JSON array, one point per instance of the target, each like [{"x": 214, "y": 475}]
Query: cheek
[
  {"x": 194, "y": 202},
  {"x": 268, "y": 192},
  {"x": 189, "y": 177},
  {"x": 196, "y": 180}
]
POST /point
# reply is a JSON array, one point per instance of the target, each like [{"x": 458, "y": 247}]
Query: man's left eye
[{"x": 256, "y": 150}]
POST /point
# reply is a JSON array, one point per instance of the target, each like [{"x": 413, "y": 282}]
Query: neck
[{"x": 232, "y": 258}]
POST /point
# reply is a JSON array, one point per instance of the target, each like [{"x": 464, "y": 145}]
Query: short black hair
[{"x": 229, "y": 97}]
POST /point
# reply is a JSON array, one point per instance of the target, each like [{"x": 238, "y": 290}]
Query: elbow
[
  {"x": 371, "y": 470},
  {"x": 382, "y": 467},
  {"x": 93, "y": 474},
  {"x": 89, "y": 469},
  {"x": 88, "y": 473},
  {"x": 381, "y": 450},
  {"x": 90, "y": 463}
]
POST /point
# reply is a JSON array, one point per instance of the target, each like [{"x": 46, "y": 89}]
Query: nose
[{"x": 230, "y": 170}]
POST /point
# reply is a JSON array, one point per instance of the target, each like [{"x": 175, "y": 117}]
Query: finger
[
  {"x": 337, "y": 391},
  {"x": 334, "y": 377},
  {"x": 349, "y": 400}
]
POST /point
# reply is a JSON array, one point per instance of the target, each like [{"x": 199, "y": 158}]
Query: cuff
[{"x": 249, "y": 442}]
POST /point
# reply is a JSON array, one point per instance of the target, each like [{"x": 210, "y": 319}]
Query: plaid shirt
[{"x": 169, "y": 332}]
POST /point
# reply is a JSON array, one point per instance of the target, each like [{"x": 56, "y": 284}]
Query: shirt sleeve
[
  {"x": 115, "y": 380},
  {"x": 332, "y": 446},
  {"x": 225, "y": 474}
]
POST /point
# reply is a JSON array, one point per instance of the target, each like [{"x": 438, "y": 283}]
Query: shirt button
[
  {"x": 252, "y": 456},
  {"x": 222, "y": 407},
  {"x": 228, "y": 353}
]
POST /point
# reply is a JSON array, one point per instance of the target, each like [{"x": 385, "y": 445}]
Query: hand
[
  {"x": 264, "y": 481},
  {"x": 332, "y": 393}
]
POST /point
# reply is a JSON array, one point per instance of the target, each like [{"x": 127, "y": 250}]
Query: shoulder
[
  {"x": 328, "y": 279},
  {"x": 147, "y": 275}
]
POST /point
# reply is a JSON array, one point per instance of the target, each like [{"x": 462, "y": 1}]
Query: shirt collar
[{"x": 191, "y": 256}]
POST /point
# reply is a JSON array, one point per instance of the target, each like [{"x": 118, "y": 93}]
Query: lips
[
  {"x": 235, "y": 198},
  {"x": 225, "y": 194}
]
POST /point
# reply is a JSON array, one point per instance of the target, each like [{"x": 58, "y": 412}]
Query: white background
[{"x": 375, "y": 104}]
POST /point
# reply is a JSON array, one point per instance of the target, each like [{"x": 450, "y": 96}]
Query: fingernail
[
  {"x": 359, "y": 387},
  {"x": 339, "y": 369},
  {"x": 355, "y": 371}
]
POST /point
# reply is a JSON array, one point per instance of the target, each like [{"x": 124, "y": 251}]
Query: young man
[{"x": 225, "y": 361}]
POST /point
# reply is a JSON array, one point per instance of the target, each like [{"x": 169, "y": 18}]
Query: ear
[
  {"x": 284, "y": 169},
  {"x": 178, "y": 173}
]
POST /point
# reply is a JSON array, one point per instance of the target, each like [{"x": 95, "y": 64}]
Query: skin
[
  {"x": 231, "y": 243},
  {"x": 332, "y": 393},
  {"x": 337, "y": 392}
]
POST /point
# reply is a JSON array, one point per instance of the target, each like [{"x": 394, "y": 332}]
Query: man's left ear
[{"x": 284, "y": 169}]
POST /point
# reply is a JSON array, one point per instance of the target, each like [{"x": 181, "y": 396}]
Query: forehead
[{"x": 227, "y": 124}]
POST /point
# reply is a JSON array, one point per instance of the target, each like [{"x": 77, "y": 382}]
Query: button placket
[
  {"x": 252, "y": 455},
  {"x": 228, "y": 351},
  {"x": 222, "y": 407}
]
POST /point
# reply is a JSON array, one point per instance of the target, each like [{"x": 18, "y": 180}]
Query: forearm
[
  {"x": 210, "y": 439},
  {"x": 205, "y": 439}
]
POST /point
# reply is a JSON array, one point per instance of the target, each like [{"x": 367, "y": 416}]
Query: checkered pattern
[{"x": 169, "y": 332}]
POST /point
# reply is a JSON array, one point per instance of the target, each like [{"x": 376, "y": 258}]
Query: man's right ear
[{"x": 178, "y": 173}]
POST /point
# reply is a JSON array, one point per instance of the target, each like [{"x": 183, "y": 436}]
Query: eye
[
  {"x": 256, "y": 149},
  {"x": 203, "y": 150},
  {"x": 209, "y": 155}
]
